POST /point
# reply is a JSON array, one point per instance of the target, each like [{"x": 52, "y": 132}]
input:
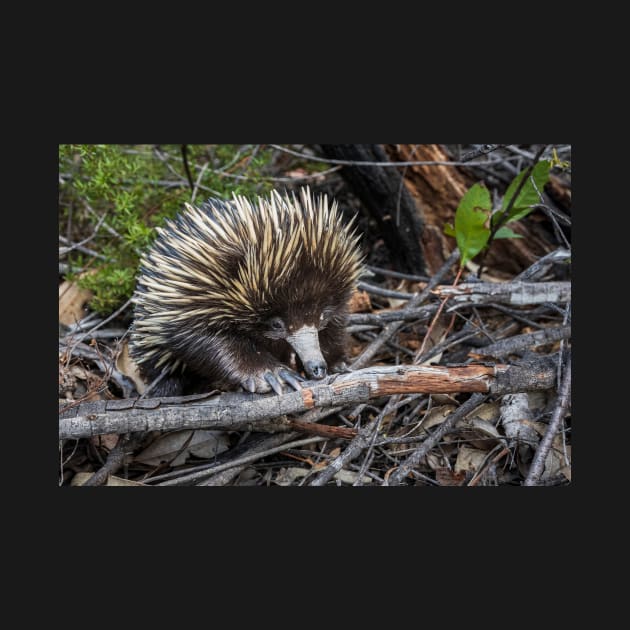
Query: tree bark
[{"x": 387, "y": 201}]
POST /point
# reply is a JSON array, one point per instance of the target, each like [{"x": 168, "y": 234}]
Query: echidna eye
[{"x": 275, "y": 323}]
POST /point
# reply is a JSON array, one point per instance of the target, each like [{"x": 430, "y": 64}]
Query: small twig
[
  {"x": 519, "y": 343},
  {"x": 316, "y": 158},
  {"x": 505, "y": 214},
  {"x": 186, "y": 167},
  {"x": 115, "y": 459},
  {"x": 479, "y": 474},
  {"x": 80, "y": 244},
  {"x": 198, "y": 182},
  {"x": 102, "y": 323},
  {"x": 270, "y": 178},
  {"x": 397, "y": 274},
  {"x": 435, "y": 318},
  {"x": 538, "y": 463},
  {"x": 221, "y": 173},
  {"x": 107, "y": 227},
  {"x": 514, "y": 149},
  {"x": 86, "y": 250},
  {"x": 514, "y": 314},
  {"x": 113, "y": 333},
  {"x": 224, "y": 477},
  {"x": 151, "y": 386},
  {"x": 449, "y": 342},
  {"x": 246, "y": 446},
  {"x": 482, "y": 150},
  {"x": 355, "y": 447},
  {"x": 390, "y": 330},
  {"x": 379, "y": 318},
  {"x": 164, "y": 157},
  {"x": 186, "y": 479},
  {"x": 107, "y": 366},
  {"x": 323, "y": 430},
  {"x": 413, "y": 460},
  {"x": 63, "y": 462},
  {"x": 374, "y": 289}
]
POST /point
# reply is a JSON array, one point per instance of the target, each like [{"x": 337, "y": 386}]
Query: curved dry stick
[
  {"x": 538, "y": 463},
  {"x": 413, "y": 460}
]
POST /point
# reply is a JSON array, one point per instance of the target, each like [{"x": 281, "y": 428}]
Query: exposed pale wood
[{"x": 517, "y": 293}]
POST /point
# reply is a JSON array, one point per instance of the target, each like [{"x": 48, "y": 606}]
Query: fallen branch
[
  {"x": 517, "y": 292},
  {"x": 519, "y": 343},
  {"x": 538, "y": 463},
  {"x": 520, "y": 293},
  {"x": 236, "y": 411}
]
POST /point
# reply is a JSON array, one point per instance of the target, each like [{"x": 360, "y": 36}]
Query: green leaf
[
  {"x": 505, "y": 232},
  {"x": 471, "y": 219},
  {"x": 449, "y": 230},
  {"x": 528, "y": 196}
]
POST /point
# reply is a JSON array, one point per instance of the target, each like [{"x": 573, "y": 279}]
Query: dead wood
[
  {"x": 386, "y": 200},
  {"x": 246, "y": 411},
  {"x": 518, "y": 293},
  {"x": 524, "y": 342}
]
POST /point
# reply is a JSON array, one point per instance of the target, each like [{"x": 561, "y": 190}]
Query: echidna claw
[
  {"x": 249, "y": 384},
  {"x": 270, "y": 377},
  {"x": 292, "y": 378}
]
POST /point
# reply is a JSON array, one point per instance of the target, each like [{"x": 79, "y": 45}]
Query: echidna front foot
[{"x": 266, "y": 380}]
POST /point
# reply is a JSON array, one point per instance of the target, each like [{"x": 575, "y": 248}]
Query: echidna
[{"x": 238, "y": 292}]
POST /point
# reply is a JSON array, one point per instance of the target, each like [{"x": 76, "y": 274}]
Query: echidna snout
[{"x": 305, "y": 342}]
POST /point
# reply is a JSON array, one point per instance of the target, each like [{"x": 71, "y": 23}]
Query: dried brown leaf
[
  {"x": 80, "y": 478},
  {"x": 72, "y": 300},
  {"x": 107, "y": 441},
  {"x": 436, "y": 416},
  {"x": 360, "y": 302},
  {"x": 127, "y": 366},
  {"x": 469, "y": 459},
  {"x": 447, "y": 477},
  {"x": 166, "y": 449}
]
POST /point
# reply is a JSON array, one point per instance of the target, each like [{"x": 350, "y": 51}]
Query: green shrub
[{"x": 132, "y": 189}]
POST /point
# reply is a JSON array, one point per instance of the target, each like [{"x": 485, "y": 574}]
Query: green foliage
[
  {"x": 506, "y": 232},
  {"x": 471, "y": 218},
  {"x": 476, "y": 226},
  {"x": 528, "y": 196},
  {"x": 134, "y": 188},
  {"x": 111, "y": 286}
]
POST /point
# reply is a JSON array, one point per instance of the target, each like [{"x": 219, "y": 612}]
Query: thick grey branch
[
  {"x": 518, "y": 293},
  {"x": 519, "y": 343},
  {"x": 234, "y": 411}
]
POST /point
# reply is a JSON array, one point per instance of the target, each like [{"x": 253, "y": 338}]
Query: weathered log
[{"x": 235, "y": 411}]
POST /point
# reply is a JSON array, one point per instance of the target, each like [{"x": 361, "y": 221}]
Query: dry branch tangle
[{"x": 234, "y": 411}]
